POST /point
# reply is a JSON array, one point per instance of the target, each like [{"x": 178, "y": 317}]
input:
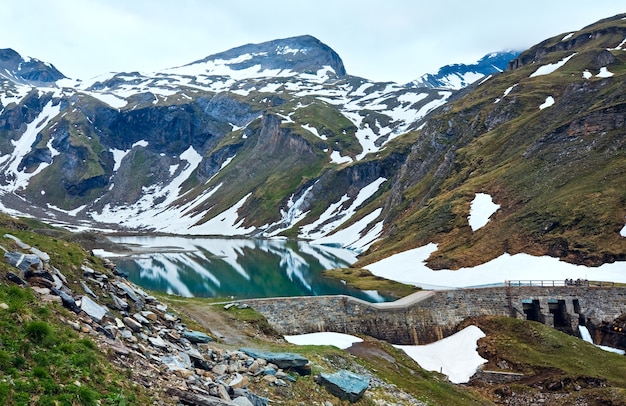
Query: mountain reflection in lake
[{"x": 241, "y": 268}]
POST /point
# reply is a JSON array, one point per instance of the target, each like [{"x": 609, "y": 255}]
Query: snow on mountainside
[
  {"x": 276, "y": 139},
  {"x": 458, "y": 76},
  {"x": 298, "y": 80}
]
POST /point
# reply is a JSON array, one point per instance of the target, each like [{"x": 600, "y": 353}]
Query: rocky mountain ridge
[
  {"x": 459, "y": 76},
  {"x": 191, "y": 122},
  {"x": 242, "y": 143}
]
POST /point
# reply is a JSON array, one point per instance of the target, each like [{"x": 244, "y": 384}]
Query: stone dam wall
[{"x": 425, "y": 317}]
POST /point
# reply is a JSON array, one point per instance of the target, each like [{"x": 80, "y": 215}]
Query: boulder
[
  {"x": 284, "y": 360},
  {"x": 93, "y": 309},
  {"x": 132, "y": 324},
  {"x": 67, "y": 300},
  {"x": 24, "y": 262},
  {"x": 344, "y": 384},
  {"x": 197, "y": 337}
]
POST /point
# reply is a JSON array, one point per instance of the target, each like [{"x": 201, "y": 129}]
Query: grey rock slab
[
  {"x": 157, "y": 342},
  {"x": 132, "y": 324},
  {"x": 197, "y": 337},
  {"x": 242, "y": 401},
  {"x": 88, "y": 290},
  {"x": 130, "y": 292},
  {"x": 345, "y": 385},
  {"x": 23, "y": 262},
  {"x": 93, "y": 309},
  {"x": 189, "y": 398},
  {"x": 140, "y": 318},
  {"x": 67, "y": 300},
  {"x": 119, "y": 303},
  {"x": 42, "y": 255},
  {"x": 281, "y": 359}
]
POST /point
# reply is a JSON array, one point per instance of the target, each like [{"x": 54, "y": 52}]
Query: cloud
[{"x": 386, "y": 40}]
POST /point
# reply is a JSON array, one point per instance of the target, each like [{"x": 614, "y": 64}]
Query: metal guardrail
[{"x": 564, "y": 282}]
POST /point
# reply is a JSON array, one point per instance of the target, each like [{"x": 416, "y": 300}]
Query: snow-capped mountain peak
[
  {"x": 458, "y": 76},
  {"x": 25, "y": 70},
  {"x": 281, "y": 57}
]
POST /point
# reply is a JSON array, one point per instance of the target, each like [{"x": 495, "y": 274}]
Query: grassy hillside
[
  {"x": 43, "y": 360},
  {"x": 561, "y": 369},
  {"x": 557, "y": 172}
]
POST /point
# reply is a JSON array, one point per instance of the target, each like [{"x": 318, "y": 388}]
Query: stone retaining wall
[{"x": 438, "y": 315}]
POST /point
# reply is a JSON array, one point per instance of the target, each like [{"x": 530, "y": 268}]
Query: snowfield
[
  {"x": 455, "y": 356},
  {"x": 410, "y": 267}
]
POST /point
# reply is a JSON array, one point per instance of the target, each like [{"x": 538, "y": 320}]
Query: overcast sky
[{"x": 383, "y": 40}]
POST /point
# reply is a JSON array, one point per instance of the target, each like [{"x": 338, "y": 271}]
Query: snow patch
[
  {"x": 336, "y": 158},
  {"x": 410, "y": 267},
  {"x": 108, "y": 98},
  {"x": 587, "y": 74},
  {"x": 604, "y": 73},
  {"x": 549, "y": 68},
  {"x": 548, "y": 103},
  {"x": 224, "y": 223},
  {"x": 455, "y": 356},
  {"x": 481, "y": 208},
  {"x": 334, "y": 216},
  {"x": 506, "y": 92},
  {"x": 351, "y": 237},
  {"x": 338, "y": 340},
  {"x": 619, "y": 47},
  {"x": 314, "y": 131},
  {"x": 17, "y": 178}
]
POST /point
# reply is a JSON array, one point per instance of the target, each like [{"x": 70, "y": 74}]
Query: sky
[{"x": 381, "y": 40}]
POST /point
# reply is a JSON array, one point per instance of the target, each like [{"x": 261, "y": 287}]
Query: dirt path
[{"x": 223, "y": 328}]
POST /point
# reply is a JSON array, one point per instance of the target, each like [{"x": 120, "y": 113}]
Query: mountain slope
[
  {"x": 545, "y": 139},
  {"x": 239, "y": 135},
  {"x": 277, "y": 139}
]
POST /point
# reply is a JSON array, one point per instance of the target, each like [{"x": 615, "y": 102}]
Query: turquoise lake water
[{"x": 236, "y": 268}]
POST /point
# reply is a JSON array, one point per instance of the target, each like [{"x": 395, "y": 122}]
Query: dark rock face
[
  {"x": 536, "y": 53},
  {"x": 304, "y": 54},
  {"x": 28, "y": 71}
]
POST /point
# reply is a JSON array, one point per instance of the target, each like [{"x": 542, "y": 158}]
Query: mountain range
[{"x": 277, "y": 139}]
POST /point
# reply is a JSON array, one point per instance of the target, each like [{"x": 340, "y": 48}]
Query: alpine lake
[{"x": 236, "y": 268}]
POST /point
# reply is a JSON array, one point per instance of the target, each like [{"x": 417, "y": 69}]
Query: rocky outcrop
[
  {"x": 142, "y": 335},
  {"x": 30, "y": 70}
]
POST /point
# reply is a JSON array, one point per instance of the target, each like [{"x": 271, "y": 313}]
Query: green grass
[
  {"x": 530, "y": 347},
  {"x": 42, "y": 360},
  {"x": 45, "y": 362}
]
